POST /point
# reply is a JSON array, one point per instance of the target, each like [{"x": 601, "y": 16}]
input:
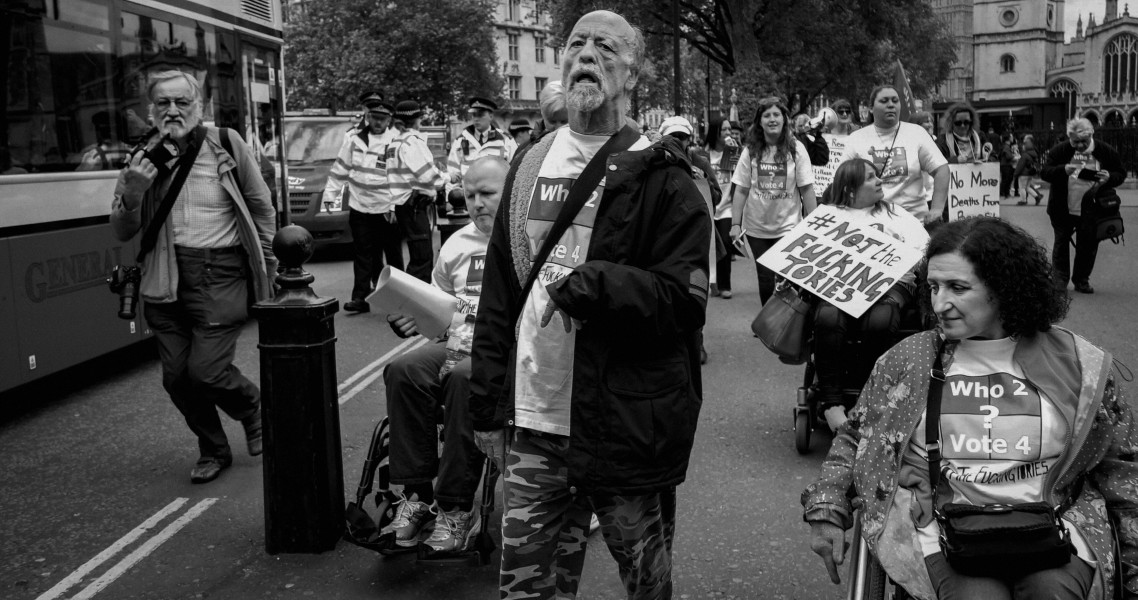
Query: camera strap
[{"x": 183, "y": 166}]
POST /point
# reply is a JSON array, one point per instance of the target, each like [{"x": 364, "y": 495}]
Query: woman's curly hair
[{"x": 1011, "y": 263}]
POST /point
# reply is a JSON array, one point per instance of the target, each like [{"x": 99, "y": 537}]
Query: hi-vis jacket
[
  {"x": 466, "y": 150},
  {"x": 411, "y": 167},
  {"x": 362, "y": 166}
]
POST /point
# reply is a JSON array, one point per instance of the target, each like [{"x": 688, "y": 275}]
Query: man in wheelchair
[
  {"x": 436, "y": 378},
  {"x": 857, "y": 189}
]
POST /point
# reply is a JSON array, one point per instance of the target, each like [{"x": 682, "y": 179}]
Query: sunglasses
[
  {"x": 843, "y": 111},
  {"x": 683, "y": 137},
  {"x": 962, "y": 122}
]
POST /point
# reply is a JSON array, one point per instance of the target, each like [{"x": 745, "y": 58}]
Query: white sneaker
[
  {"x": 454, "y": 533},
  {"x": 594, "y": 523},
  {"x": 410, "y": 518}
]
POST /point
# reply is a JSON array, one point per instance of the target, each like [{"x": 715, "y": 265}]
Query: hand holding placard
[{"x": 848, "y": 265}]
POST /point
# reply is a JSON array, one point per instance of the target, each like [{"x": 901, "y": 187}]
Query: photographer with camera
[{"x": 207, "y": 219}]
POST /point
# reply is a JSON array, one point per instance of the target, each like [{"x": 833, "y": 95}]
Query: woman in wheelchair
[
  {"x": 1015, "y": 423},
  {"x": 857, "y": 189}
]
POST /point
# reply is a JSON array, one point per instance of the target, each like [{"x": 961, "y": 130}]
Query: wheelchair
[{"x": 807, "y": 411}]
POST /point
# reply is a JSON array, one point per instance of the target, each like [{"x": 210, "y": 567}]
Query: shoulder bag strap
[
  {"x": 184, "y": 165},
  {"x": 932, "y": 419},
  {"x": 579, "y": 194}
]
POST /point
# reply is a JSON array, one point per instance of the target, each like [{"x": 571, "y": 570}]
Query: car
[{"x": 311, "y": 145}]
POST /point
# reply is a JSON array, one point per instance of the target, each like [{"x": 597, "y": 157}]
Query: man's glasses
[{"x": 964, "y": 123}]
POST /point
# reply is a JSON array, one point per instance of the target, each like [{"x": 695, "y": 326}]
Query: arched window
[
  {"x": 1067, "y": 90},
  {"x": 1091, "y": 116},
  {"x": 1113, "y": 119},
  {"x": 1007, "y": 63},
  {"x": 1120, "y": 65},
  {"x": 1133, "y": 120}
]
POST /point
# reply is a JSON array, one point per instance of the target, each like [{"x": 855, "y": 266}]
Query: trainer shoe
[
  {"x": 410, "y": 518},
  {"x": 594, "y": 523},
  {"x": 454, "y": 532},
  {"x": 725, "y": 294}
]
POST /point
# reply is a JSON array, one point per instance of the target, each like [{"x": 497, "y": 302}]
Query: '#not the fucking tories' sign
[{"x": 850, "y": 266}]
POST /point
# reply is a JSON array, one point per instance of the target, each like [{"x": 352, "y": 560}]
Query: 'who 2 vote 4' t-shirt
[
  {"x": 999, "y": 436},
  {"x": 458, "y": 272},
  {"x": 543, "y": 381}
]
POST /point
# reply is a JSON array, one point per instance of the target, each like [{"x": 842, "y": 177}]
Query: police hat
[
  {"x": 477, "y": 103},
  {"x": 408, "y": 109},
  {"x": 519, "y": 125},
  {"x": 380, "y": 108},
  {"x": 371, "y": 99}
]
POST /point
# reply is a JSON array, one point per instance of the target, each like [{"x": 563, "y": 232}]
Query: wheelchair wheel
[
  {"x": 866, "y": 579},
  {"x": 802, "y": 427}
]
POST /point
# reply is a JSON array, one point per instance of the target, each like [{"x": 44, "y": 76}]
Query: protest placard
[
  {"x": 848, "y": 265},
  {"x": 973, "y": 190},
  {"x": 824, "y": 175}
]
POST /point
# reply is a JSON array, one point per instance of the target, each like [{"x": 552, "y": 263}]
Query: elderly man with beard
[
  {"x": 595, "y": 368},
  {"x": 204, "y": 243}
]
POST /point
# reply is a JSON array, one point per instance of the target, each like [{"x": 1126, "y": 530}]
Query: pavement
[{"x": 1128, "y": 193}]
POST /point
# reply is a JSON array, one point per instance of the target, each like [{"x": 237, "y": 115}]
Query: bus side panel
[
  {"x": 65, "y": 313},
  {"x": 12, "y": 373}
]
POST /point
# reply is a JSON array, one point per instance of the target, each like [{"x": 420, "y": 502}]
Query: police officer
[
  {"x": 480, "y": 138},
  {"x": 361, "y": 168},
  {"x": 413, "y": 179}
]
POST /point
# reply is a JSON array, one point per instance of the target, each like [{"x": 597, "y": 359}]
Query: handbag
[
  {"x": 781, "y": 323},
  {"x": 993, "y": 540}
]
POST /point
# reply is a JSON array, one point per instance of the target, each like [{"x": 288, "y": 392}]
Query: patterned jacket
[{"x": 868, "y": 454}]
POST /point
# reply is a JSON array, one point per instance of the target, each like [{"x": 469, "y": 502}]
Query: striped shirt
[
  {"x": 411, "y": 167},
  {"x": 362, "y": 167},
  {"x": 203, "y": 214}
]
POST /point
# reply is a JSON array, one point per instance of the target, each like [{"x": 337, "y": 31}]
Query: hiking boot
[
  {"x": 454, "y": 533},
  {"x": 410, "y": 518}
]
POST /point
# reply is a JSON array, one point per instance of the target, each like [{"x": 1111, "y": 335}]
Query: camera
[
  {"x": 159, "y": 153},
  {"x": 124, "y": 282}
]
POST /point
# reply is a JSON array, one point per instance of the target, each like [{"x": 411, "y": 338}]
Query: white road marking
[
  {"x": 378, "y": 362},
  {"x": 113, "y": 549},
  {"x": 144, "y": 550},
  {"x": 379, "y": 371}
]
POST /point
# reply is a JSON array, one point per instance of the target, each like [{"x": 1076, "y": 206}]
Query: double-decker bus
[{"x": 72, "y": 103}]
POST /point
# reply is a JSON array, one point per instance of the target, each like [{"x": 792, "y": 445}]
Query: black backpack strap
[
  {"x": 184, "y": 165},
  {"x": 579, "y": 194},
  {"x": 227, "y": 143}
]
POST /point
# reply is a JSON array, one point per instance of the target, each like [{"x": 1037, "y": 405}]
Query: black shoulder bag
[
  {"x": 184, "y": 165},
  {"x": 579, "y": 193},
  {"x": 993, "y": 540}
]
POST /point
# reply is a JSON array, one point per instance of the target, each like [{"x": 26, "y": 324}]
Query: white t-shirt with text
[
  {"x": 774, "y": 204},
  {"x": 901, "y": 157}
]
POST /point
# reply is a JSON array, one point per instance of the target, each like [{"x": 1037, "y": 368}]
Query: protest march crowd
[{"x": 582, "y": 254}]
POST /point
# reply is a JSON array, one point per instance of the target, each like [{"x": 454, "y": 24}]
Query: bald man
[
  {"x": 439, "y": 373},
  {"x": 596, "y": 368}
]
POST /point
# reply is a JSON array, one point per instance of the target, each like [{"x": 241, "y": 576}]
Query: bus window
[{"x": 59, "y": 79}]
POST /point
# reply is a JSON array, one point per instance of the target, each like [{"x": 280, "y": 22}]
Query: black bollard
[{"x": 304, "y": 472}]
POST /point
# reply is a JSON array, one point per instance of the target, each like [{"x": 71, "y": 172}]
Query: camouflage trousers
[{"x": 545, "y": 527}]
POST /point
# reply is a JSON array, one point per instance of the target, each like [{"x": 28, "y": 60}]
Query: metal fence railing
[{"x": 1122, "y": 139}]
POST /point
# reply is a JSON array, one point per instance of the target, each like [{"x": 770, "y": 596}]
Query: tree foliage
[
  {"x": 437, "y": 52},
  {"x": 794, "y": 48}
]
